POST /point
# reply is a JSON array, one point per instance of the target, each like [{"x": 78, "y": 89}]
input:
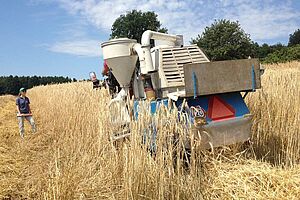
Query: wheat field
[{"x": 72, "y": 157}]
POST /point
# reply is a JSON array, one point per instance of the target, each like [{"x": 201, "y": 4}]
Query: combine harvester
[{"x": 209, "y": 91}]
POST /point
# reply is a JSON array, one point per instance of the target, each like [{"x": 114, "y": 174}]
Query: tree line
[
  {"x": 12, "y": 84},
  {"x": 222, "y": 40},
  {"x": 226, "y": 40}
]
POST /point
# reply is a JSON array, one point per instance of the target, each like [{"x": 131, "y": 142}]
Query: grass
[{"x": 71, "y": 156}]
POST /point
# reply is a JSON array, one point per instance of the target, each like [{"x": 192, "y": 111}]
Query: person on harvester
[
  {"x": 112, "y": 82},
  {"x": 24, "y": 112}
]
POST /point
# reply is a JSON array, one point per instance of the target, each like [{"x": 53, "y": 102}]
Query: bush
[{"x": 284, "y": 55}]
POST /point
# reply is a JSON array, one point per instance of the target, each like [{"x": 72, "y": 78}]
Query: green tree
[
  {"x": 284, "y": 55},
  {"x": 2, "y": 85},
  {"x": 277, "y": 47},
  {"x": 12, "y": 84},
  {"x": 33, "y": 81},
  {"x": 133, "y": 24},
  {"x": 294, "y": 38},
  {"x": 225, "y": 40},
  {"x": 263, "y": 50}
]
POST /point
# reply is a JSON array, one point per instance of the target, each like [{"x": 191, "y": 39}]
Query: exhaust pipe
[{"x": 146, "y": 37}]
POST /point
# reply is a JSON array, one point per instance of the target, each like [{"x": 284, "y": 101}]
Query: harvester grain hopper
[{"x": 183, "y": 74}]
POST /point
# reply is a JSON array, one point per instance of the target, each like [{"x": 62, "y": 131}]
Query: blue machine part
[
  {"x": 233, "y": 99},
  {"x": 154, "y": 105},
  {"x": 253, "y": 78}
]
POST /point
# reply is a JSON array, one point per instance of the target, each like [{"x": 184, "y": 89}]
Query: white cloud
[
  {"x": 263, "y": 19},
  {"x": 180, "y": 17},
  {"x": 88, "y": 48}
]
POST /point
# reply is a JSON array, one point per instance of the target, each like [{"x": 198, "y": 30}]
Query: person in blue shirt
[{"x": 24, "y": 112}]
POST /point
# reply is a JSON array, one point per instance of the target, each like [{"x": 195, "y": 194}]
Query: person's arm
[
  {"x": 17, "y": 104},
  {"x": 18, "y": 110},
  {"x": 29, "y": 109}
]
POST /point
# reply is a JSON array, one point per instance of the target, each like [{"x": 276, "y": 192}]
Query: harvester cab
[{"x": 209, "y": 91}]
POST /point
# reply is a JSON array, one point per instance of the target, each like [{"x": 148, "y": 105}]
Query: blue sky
[{"x": 63, "y": 37}]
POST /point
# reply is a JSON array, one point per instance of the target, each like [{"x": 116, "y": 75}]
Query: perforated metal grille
[{"x": 172, "y": 60}]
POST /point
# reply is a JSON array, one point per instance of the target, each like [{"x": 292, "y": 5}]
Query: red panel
[{"x": 219, "y": 109}]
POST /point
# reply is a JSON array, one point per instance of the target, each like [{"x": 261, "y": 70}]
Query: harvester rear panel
[{"x": 222, "y": 77}]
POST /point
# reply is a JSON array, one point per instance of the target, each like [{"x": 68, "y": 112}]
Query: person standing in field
[{"x": 24, "y": 112}]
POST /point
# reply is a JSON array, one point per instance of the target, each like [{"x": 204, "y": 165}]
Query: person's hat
[{"x": 22, "y": 90}]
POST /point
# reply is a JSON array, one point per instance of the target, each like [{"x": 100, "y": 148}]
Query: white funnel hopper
[{"x": 121, "y": 58}]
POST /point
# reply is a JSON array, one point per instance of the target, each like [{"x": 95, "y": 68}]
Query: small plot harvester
[{"x": 212, "y": 93}]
